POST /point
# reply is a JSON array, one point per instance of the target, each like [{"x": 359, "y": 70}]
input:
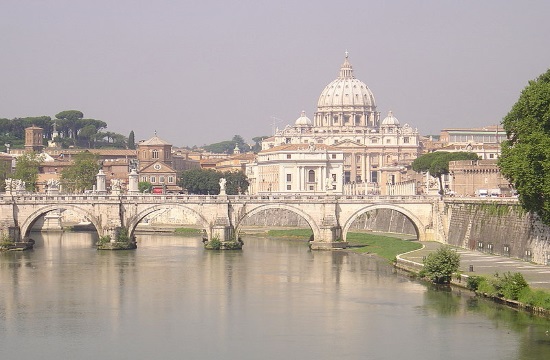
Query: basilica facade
[{"x": 376, "y": 153}]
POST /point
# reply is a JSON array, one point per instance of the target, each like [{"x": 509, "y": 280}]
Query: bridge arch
[
  {"x": 31, "y": 219},
  {"x": 135, "y": 220},
  {"x": 418, "y": 225},
  {"x": 312, "y": 224}
]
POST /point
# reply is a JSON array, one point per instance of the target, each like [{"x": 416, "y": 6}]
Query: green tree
[
  {"x": 525, "y": 156},
  {"x": 131, "y": 140},
  {"x": 237, "y": 182},
  {"x": 68, "y": 122},
  {"x": 145, "y": 187},
  {"x": 437, "y": 163},
  {"x": 5, "y": 170},
  {"x": 201, "y": 181},
  {"x": 82, "y": 174},
  {"x": 26, "y": 169},
  {"x": 440, "y": 265},
  {"x": 258, "y": 143},
  {"x": 88, "y": 133},
  {"x": 224, "y": 147}
]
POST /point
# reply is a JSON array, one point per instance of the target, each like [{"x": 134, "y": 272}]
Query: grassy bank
[
  {"x": 384, "y": 246},
  {"x": 188, "y": 232},
  {"x": 387, "y": 247}
]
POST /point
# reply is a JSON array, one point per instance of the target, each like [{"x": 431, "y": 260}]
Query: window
[
  {"x": 289, "y": 187},
  {"x": 161, "y": 179},
  {"x": 388, "y": 141},
  {"x": 406, "y": 140},
  {"x": 144, "y": 178},
  {"x": 289, "y": 177},
  {"x": 333, "y": 177},
  {"x": 153, "y": 179},
  {"x": 287, "y": 140},
  {"x": 374, "y": 141},
  {"x": 155, "y": 154},
  {"x": 170, "y": 179},
  {"x": 374, "y": 176},
  {"x": 333, "y": 156},
  {"x": 288, "y": 156},
  {"x": 311, "y": 176}
]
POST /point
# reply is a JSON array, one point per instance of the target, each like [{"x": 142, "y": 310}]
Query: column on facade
[
  {"x": 322, "y": 180},
  {"x": 367, "y": 167},
  {"x": 353, "y": 170}
]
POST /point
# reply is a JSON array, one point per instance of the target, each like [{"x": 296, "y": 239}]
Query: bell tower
[{"x": 33, "y": 139}]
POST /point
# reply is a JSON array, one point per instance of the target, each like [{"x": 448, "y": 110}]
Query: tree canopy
[
  {"x": 73, "y": 129},
  {"x": 228, "y": 147},
  {"x": 525, "y": 156},
  {"x": 82, "y": 174},
  {"x": 207, "y": 182},
  {"x": 26, "y": 169},
  {"x": 437, "y": 163}
]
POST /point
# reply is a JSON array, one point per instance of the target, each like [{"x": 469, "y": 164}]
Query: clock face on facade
[{"x": 157, "y": 166}]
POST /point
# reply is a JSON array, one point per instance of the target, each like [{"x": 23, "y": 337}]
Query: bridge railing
[
  {"x": 158, "y": 198},
  {"x": 273, "y": 197}
]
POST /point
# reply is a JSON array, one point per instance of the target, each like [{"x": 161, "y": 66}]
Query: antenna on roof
[{"x": 275, "y": 120}]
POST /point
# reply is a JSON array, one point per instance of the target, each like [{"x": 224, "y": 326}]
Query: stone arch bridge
[{"x": 329, "y": 216}]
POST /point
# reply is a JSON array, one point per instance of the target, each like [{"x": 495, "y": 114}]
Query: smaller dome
[
  {"x": 303, "y": 120},
  {"x": 390, "y": 120}
]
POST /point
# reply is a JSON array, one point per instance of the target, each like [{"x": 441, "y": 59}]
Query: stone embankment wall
[{"x": 497, "y": 227}]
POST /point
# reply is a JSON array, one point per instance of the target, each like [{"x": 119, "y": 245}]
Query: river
[{"x": 275, "y": 299}]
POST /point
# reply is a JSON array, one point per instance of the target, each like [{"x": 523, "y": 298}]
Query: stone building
[
  {"x": 34, "y": 139},
  {"x": 297, "y": 168},
  {"x": 375, "y": 152},
  {"x": 477, "y": 178},
  {"x": 156, "y": 166}
]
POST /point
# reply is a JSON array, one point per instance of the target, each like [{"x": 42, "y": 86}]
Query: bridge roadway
[{"x": 329, "y": 216}]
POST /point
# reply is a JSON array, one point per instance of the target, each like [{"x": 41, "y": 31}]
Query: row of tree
[
  {"x": 207, "y": 182},
  {"x": 82, "y": 176},
  {"x": 228, "y": 147},
  {"x": 75, "y": 178},
  {"x": 72, "y": 128}
]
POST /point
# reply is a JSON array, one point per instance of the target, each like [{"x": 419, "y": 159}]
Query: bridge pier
[
  {"x": 330, "y": 239},
  {"x": 224, "y": 233}
]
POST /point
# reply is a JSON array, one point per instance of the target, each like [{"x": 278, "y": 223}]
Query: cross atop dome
[{"x": 346, "y": 71}]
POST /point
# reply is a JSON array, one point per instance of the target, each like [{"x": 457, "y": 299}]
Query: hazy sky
[{"x": 199, "y": 72}]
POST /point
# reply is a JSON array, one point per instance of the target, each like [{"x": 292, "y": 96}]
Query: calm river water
[{"x": 171, "y": 299}]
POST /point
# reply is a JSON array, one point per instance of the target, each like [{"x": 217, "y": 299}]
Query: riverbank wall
[{"x": 496, "y": 227}]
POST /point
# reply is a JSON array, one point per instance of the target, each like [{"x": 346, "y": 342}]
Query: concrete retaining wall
[{"x": 498, "y": 228}]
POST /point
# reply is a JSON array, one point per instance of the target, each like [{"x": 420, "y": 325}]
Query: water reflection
[{"x": 275, "y": 299}]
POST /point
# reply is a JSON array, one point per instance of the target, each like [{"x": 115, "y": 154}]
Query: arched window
[
  {"x": 155, "y": 154},
  {"x": 311, "y": 176}
]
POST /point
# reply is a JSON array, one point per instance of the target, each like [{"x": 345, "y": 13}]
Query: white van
[{"x": 482, "y": 192}]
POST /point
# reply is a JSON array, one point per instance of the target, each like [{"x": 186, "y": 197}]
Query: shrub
[
  {"x": 214, "y": 244},
  {"x": 509, "y": 286},
  {"x": 473, "y": 282},
  {"x": 440, "y": 265}
]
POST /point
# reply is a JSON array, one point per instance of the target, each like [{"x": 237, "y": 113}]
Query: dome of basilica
[
  {"x": 390, "y": 120},
  {"x": 303, "y": 120},
  {"x": 346, "y": 91}
]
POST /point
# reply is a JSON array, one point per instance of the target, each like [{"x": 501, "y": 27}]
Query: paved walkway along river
[{"x": 538, "y": 276}]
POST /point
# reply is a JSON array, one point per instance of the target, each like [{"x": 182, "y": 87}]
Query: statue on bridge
[
  {"x": 52, "y": 186},
  {"x": 222, "y": 186},
  {"x": 15, "y": 185}
]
